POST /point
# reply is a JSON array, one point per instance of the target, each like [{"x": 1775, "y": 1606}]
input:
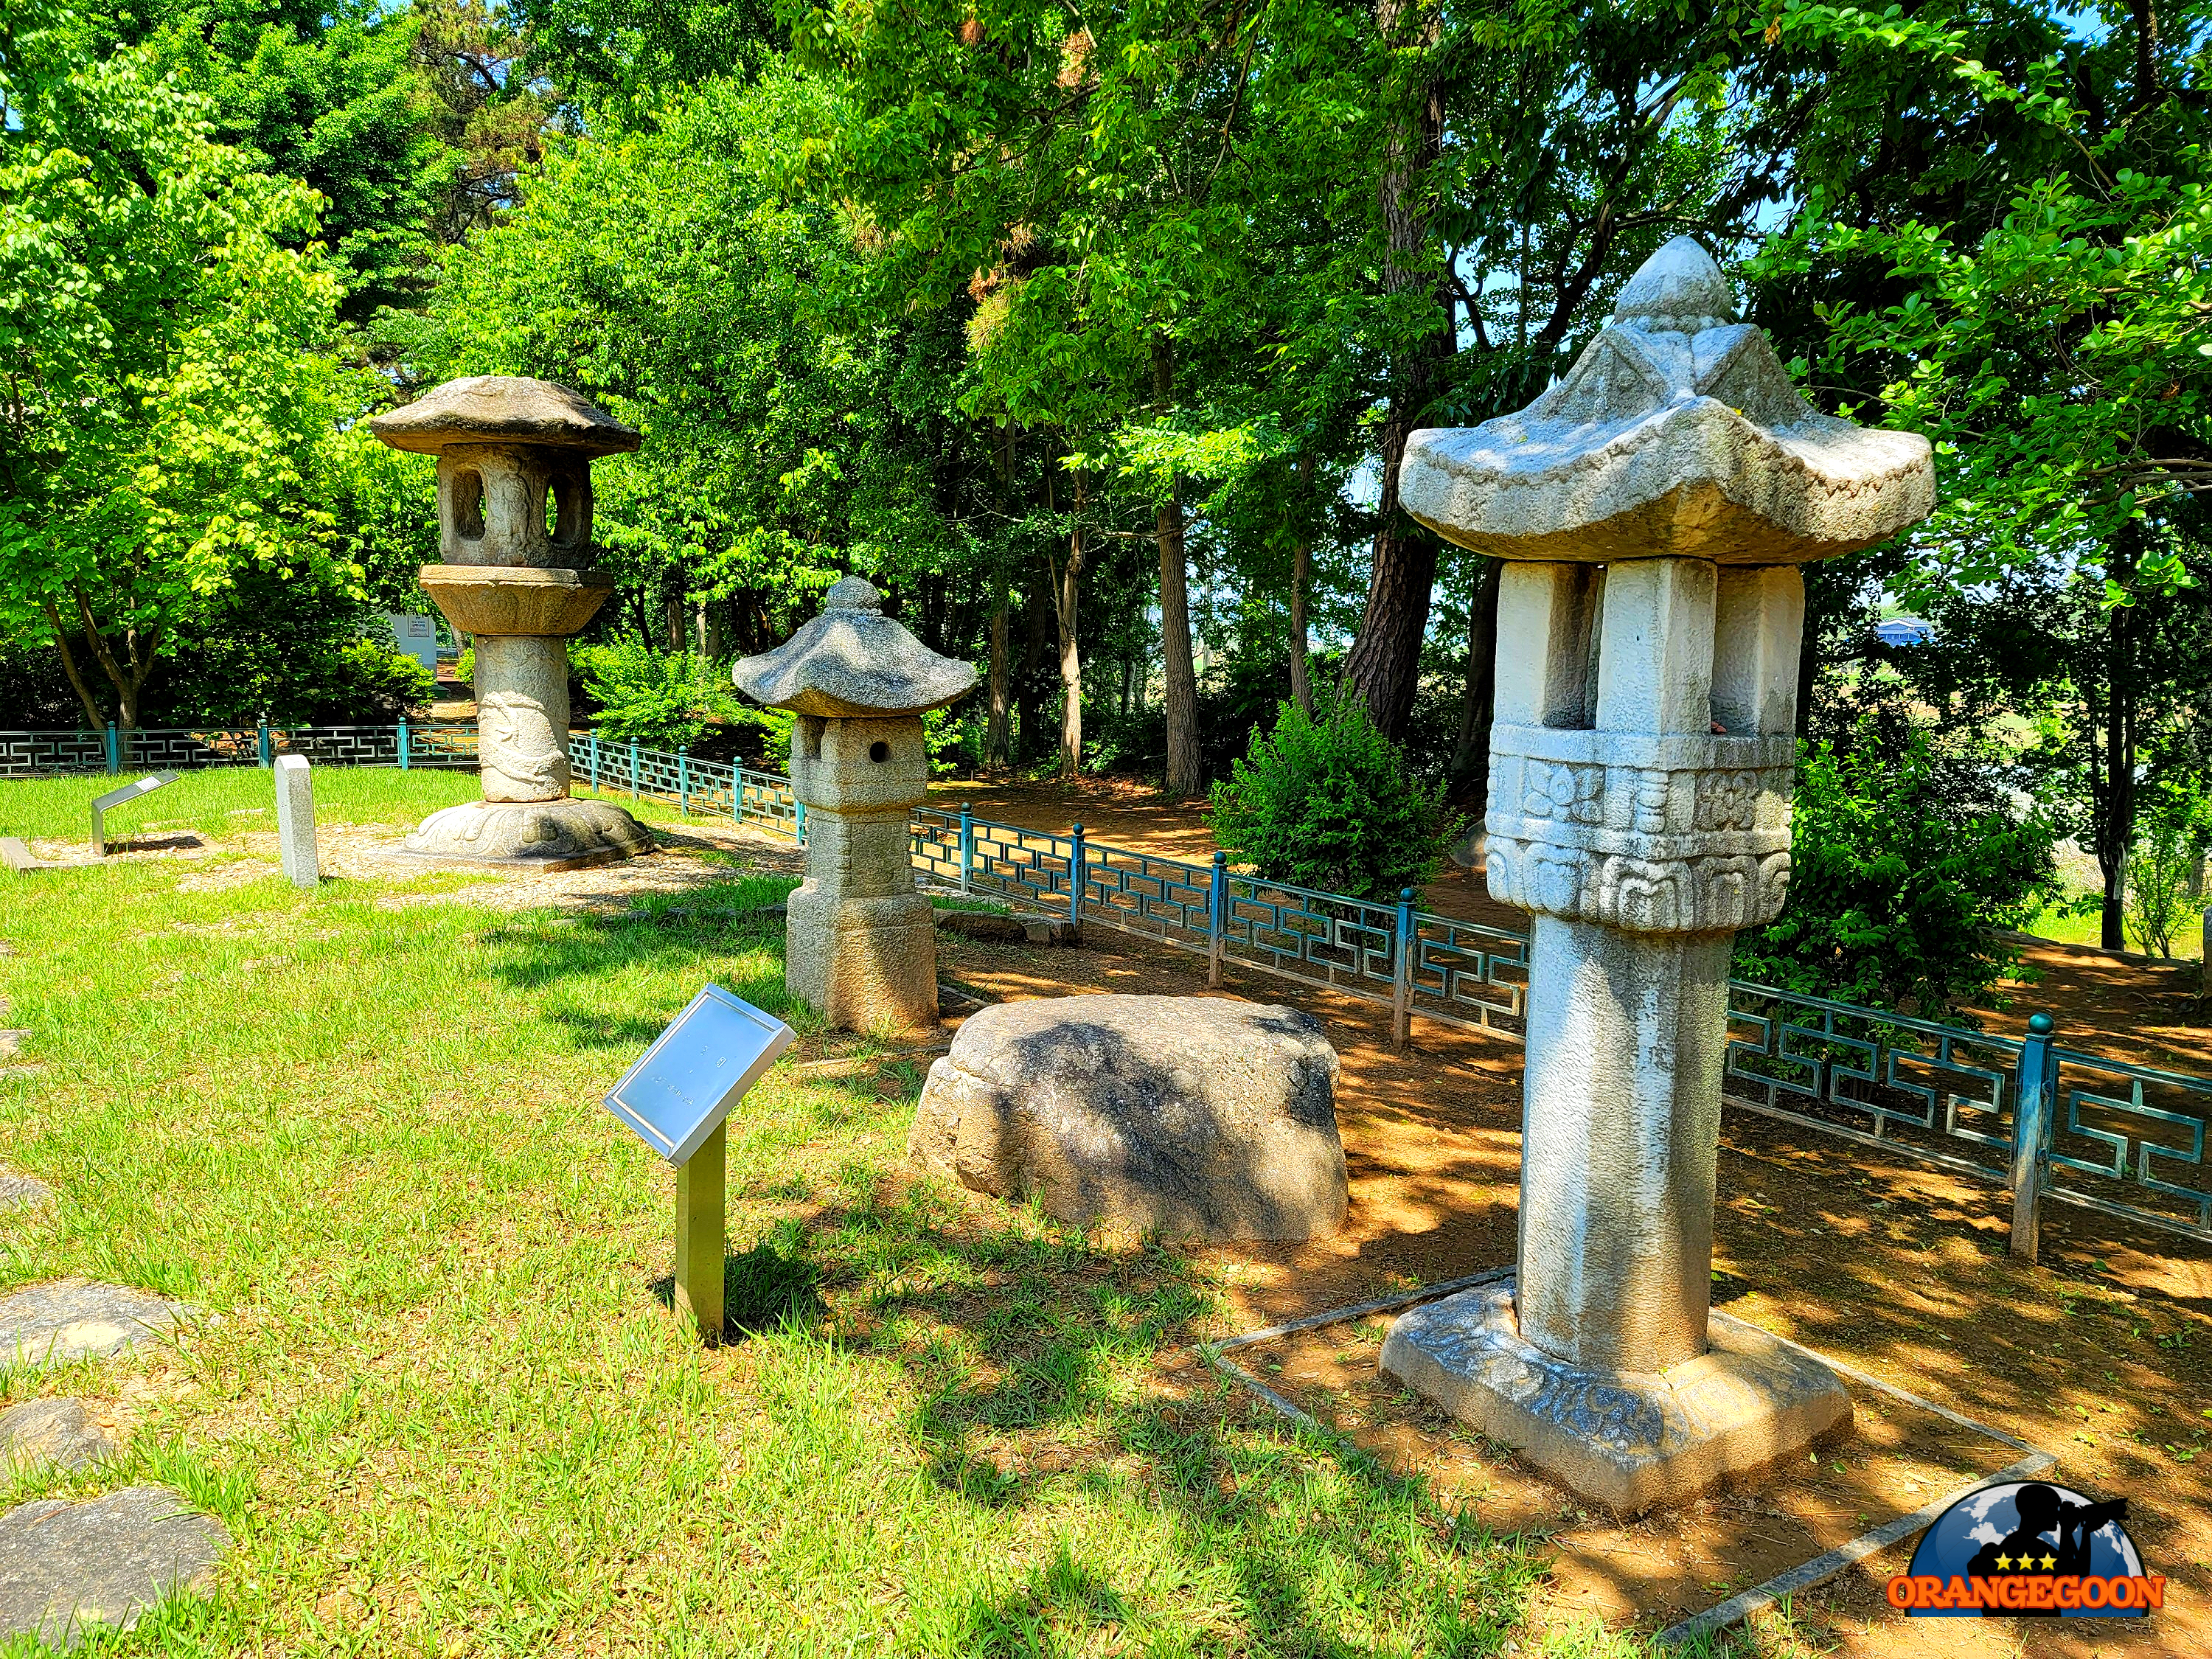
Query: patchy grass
[{"x": 439, "y": 1396}]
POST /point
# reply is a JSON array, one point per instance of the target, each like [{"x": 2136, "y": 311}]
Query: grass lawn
[
  {"x": 438, "y": 1395},
  {"x": 2071, "y": 927}
]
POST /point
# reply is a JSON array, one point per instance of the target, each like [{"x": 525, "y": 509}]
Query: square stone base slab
[{"x": 1629, "y": 1440}]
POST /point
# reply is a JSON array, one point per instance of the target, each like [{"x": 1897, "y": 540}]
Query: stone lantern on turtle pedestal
[
  {"x": 1653, "y": 509},
  {"x": 514, "y": 534},
  {"x": 860, "y": 940}
]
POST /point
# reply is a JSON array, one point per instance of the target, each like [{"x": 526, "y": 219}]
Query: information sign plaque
[
  {"x": 676, "y": 1099},
  {"x": 103, "y": 805}
]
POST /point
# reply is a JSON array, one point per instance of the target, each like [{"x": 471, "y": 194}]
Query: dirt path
[{"x": 2103, "y": 1005}]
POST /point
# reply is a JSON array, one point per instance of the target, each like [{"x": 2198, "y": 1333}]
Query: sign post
[{"x": 677, "y": 1099}]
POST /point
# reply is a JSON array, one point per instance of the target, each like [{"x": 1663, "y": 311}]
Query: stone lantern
[
  {"x": 860, "y": 940},
  {"x": 514, "y": 535},
  {"x": 1653, "y": 507}
]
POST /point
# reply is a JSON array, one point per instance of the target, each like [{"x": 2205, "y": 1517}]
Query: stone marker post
[
  {"x": 295, "y": 822},
  {"x": 860, "y": 941},
  {"x": 514, "y": 534},
  {"x": 1654, "y": 506}
]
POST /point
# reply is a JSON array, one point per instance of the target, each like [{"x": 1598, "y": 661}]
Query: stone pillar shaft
[
  {"x": 522, "y": 717},
  {"x": 1625, "y": 1036}
]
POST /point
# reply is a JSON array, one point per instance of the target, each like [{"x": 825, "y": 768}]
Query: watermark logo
[{"x": 2026, "y": 1550}]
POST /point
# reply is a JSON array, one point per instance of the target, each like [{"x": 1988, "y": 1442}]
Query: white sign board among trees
[{"x": 415, "y": 637}]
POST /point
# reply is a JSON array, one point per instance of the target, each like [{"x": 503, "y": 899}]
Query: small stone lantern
[
  {"x": 860, "y": 940},
  {"x": 1653, "y": 509},
  {"x": 514, "y": 533}
]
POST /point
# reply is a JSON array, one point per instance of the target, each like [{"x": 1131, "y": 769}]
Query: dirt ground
[{"x": 2098, "y": 1354}]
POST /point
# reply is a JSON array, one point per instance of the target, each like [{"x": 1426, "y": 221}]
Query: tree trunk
[
  {"x": 1030, "y": 705},
  {"x": 127, "y": 676},
  {"x": 2115, "y": 833},
  {"x": 1185, "y": 769},
  {"x": 1301, "y": 579},
  {"x": 1470, "y": 765},
  {"x": 998, "y": 727},
  {"x": 1383, "y": 667},
  {"x": 92, "y": 715},
  {"x": 1070, "y": 660},
  {"x": 2145, "y": 68}
]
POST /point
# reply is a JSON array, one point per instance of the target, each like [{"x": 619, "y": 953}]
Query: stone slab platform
[
  {"x": 69, "y": 1319},
  {"x": 67, "y": 1567},
  {"x": 1631, "y": 1441}
]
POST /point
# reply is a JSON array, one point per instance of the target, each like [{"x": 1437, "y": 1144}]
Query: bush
[
  {"x": 663, "y": 699},
  {"x": 1331, "y": 803},
  {"x": 2163, "y": 894},
  {"x": 1902, "y": 865},
  {"x": 368, "y": 680}
]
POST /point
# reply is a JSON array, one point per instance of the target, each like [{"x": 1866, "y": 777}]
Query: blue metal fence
[
  {"x": 2102, "y": 1134},
  {"x": 404, "y": 745}
]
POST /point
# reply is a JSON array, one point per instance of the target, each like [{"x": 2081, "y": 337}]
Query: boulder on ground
[{"x": 1182, "y": 1115}]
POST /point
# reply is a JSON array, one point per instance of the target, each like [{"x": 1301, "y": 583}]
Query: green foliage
[
  {"x": 169, "y": 381},
  {"x": 663, "y": 699},
  {"x": 1901, "y": 864},
  {"x": 1330, "y": 803},
  {"x": 378, "y": 680},
  {"x": 2036, "y": 307},
  {"x": 2166, "y": 891},
  {"x": 294, "y": 652}
]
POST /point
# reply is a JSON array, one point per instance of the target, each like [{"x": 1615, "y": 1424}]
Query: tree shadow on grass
[
  {"x": 1047, "y": 1368},
  {"x": 721, "y": 928},
  {"x": 772, "y": 1287}
]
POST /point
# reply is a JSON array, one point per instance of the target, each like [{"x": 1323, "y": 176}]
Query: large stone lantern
[
  {"x": 860, "y": 940},
  {"x": 1653, "y": 509},
  {"x": 514, "y": 539}
]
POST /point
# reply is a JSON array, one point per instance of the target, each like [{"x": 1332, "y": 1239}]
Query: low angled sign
[
  {"x": 103, "y": 805},
  {"x": 676, "y": 1098},
  {"x": 683, "y": 1086}
]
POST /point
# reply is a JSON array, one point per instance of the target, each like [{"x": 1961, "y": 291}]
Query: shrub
[
  {"x": 2164, "y": 894},
  {"x": 1903, "y": 865},
  {"x": 1331, "y": 803},
  {"x": 663, "y": 699}
]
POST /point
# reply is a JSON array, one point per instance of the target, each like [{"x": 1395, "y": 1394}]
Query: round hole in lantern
[{"x": 879, "y": 752}]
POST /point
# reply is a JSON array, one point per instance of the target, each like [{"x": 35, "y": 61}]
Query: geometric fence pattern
[{"x": 2125, "y": 1140}]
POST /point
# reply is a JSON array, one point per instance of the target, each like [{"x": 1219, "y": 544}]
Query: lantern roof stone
[
  {"x": 853, "y": 662},
  {"x": 503, "y": 409},
  {"x": 1677, "y": 434}
]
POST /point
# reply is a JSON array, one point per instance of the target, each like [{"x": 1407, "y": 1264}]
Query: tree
[
  {"x": 2011, "y": 221},
  {"x": 167, "y": 384},
  {"x": 1533, "y": 159}
]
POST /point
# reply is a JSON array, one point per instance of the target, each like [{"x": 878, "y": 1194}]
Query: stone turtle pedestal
[
  {"x": 860, "y": 943},
  {"x": 1187, "y": 1117},
  {"x": 514, "y": 530},
  {"x": 1652, "y": 509}
]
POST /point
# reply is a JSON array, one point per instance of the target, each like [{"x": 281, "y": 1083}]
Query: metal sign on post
[
  {"x": 103, "y": 805},
  {"x": 676, "y": 1099}
]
